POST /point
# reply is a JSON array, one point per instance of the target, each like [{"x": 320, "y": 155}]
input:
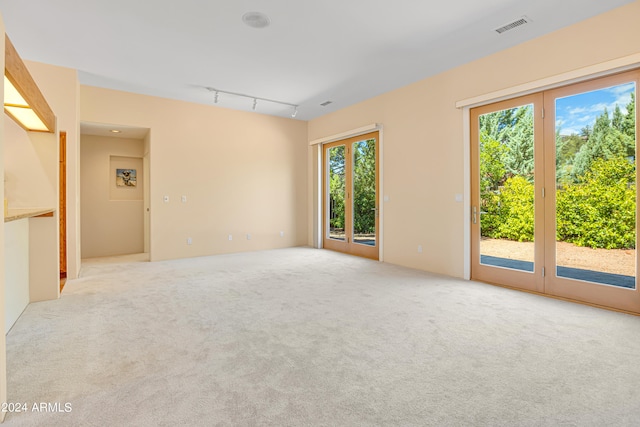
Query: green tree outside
[
  {"x": 363, "y": 191},
  {"x": 337, "y": 181},
  {"x": 364, "y": 187},
  {"x": 595, "y": 172}
]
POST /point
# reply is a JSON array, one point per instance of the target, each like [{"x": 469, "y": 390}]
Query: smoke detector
[{"x": 256, "y": 19}]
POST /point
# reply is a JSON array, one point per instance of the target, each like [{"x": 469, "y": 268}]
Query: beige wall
[
  {"x": 31, "y": 167},
  {"x": 61, "y": 89},
  {"x": 16, "y": 271},
  {"x": 3, "y": 348},
  {"x": 423, "y": 138},
  {"x": 242, "y": 173},
  {"x": 146, "y": 192},
  {"x": 112, "y": 216}
]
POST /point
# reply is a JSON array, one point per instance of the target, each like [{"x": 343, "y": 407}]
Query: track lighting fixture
[{"x": 217, "y": 92}]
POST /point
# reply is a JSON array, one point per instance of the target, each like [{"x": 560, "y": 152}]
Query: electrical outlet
[
  {"x": 184, "y": 199},
  {"x": 248, "y": 236},
  {"x": 189, "y": 241},
  {"x": 282, "y": 234},
  {"x": 230, "y": 237},
  {"x": 419, "y": 249},
  {"x": 166, "y": 199}
]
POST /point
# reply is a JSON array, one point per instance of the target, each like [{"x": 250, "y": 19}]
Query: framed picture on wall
[{"x": 126, "y": 178}]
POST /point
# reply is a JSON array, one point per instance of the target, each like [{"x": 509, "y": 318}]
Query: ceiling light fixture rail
[{"x": 217, "y": 92}]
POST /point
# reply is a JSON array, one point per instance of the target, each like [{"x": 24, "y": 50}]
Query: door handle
[
  {"x": 375, "y": 209},
  {"x": 475, "y": 215}
]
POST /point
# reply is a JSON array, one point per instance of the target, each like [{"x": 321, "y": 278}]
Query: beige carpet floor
[{"x": 305, "y": 337}]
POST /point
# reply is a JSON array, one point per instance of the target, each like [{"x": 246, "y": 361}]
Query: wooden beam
[{"x": 18, "y": 75}]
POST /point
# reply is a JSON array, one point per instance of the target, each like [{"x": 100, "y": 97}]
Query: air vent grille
[
  {"x": 325, "y": 103},
  {"x": 512, "y": 25}
]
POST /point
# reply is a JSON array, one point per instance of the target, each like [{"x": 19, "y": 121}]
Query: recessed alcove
[{"x": 31, "y": 189}]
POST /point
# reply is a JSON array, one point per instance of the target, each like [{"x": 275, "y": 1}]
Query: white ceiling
[{"x": 343, "y": 51}]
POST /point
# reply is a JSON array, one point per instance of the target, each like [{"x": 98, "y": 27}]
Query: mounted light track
[{"x": 217, "y": 92}]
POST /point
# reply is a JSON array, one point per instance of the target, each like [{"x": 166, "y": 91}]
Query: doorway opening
[{"x": 114, "y": 170}]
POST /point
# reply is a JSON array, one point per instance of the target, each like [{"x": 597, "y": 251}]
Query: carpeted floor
[{"x": 305, "y": 337}]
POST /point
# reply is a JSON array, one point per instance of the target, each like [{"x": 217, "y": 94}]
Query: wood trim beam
[
  {"x": 16, "y": 71},
  {"x": 348, "y": 134},
  {"x": 602, "y": 69}
]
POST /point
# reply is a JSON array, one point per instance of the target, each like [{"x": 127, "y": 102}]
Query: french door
[
  {"x": 554, "y": 192},
  {"x": 350, "y": 196},
  {"x": 507, "y": 165}
]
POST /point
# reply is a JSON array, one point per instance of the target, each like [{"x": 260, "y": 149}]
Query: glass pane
[
  {"x": 507, "y": 188},
  {"x": 364, "y": 192},
  {"x": 337, "y": 180},
  {"x": 596, "y": 186}
]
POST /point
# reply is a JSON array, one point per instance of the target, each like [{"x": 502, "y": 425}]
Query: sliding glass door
[
  {"x": 507, "y": 218},
  {"x": 554, "y": 192},
  {"x": 591, "y": 241},
  {"x": 350, "y": 188}
]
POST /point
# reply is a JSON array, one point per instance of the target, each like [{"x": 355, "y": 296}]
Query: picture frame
[{"x": 126, "y": 178}]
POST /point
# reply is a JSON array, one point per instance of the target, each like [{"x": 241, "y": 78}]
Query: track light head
[
  {"x": 295, "y": 112},
  {"x": 215, "y": 97},
  {"x": 255, "y": 102}
]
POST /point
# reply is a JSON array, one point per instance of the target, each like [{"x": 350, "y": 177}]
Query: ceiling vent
[
  {"x": 325, "y": 103},
  {"x": 510, "y": 26}
]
